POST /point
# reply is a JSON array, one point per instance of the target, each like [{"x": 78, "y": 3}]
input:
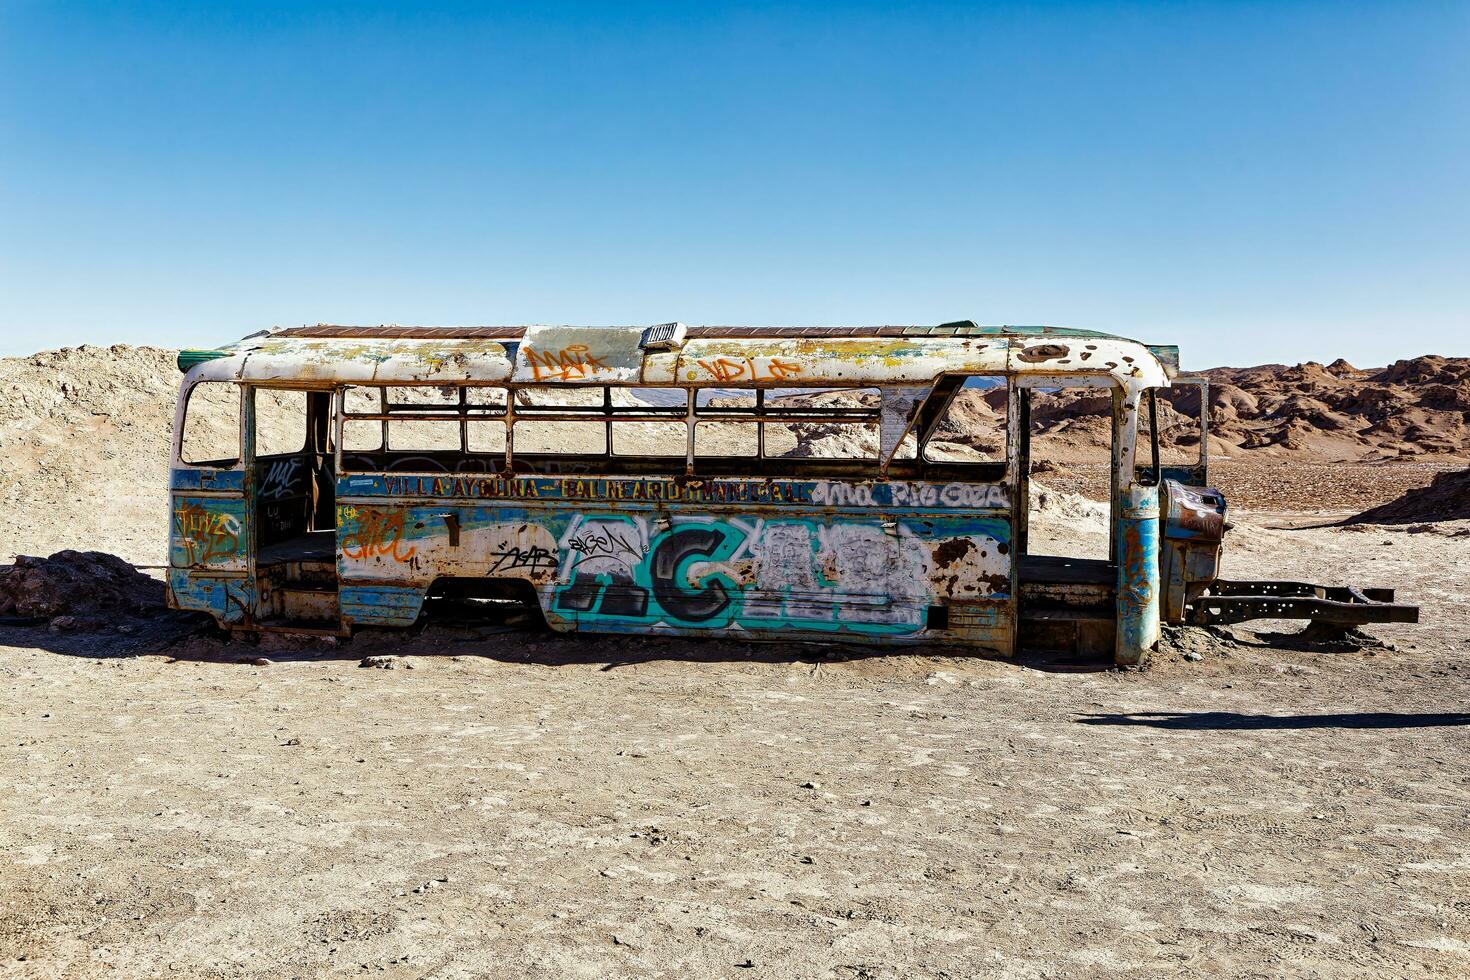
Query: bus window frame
[
  {"x": 1122, "y": 453},
  {"x": 389, "y": 411},
  {"x": 1000, "y": 470},
  {"x": 1200, "y": 467},
  {"x": 953, "y": 471},
  {"x": 183, "y": 420}
]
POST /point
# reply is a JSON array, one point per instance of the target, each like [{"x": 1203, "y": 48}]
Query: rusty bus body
[{"x": 897, "y": 548}]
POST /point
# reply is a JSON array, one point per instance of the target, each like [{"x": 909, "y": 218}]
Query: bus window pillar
[{"x": 1136, "y": 537}]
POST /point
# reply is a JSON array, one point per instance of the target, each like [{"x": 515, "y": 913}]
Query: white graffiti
[
  {"x": 977, "y": 495},
  {"x": 842, "y": 494},
  {"x": 875, "y": 567},
  {"x": 950, "y": 495},
  {"x": 279, "y": 478},
  {"x": 786, "y": 575},
  {"x": 860, "y": 573},
  {"x": 783, "y": 558}
]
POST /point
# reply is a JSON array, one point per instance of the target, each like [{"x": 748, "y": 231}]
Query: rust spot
[
  {"x": 999, "y": 584},
  {"x": 953, "y": 550},
  {"x": 1042, "y": 352}
]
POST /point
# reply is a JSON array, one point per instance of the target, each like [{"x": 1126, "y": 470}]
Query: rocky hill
[
  {"x": 1414, "y": 407},
  {"x": 1417, "y": 408}
]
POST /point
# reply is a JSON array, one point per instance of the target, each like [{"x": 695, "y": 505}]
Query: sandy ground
[{"x": 519, "y": 804}]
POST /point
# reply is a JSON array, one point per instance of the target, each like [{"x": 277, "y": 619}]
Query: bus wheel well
[{"x": 511, "y": 601}]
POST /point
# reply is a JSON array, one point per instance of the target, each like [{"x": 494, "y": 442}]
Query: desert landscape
[{"x": 493, "y": 800}]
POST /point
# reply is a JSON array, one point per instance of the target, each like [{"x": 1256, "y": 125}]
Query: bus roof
[{"x": 673, "y": 354}]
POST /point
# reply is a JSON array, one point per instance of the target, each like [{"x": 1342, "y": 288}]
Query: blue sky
[{"x": 1254, "y": 181}]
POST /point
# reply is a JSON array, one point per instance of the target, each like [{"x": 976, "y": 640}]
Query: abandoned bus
[{"x": 765, "y": 482}]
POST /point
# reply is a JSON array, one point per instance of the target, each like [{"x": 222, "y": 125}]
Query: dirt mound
[
  {"x": 1414, "y": 407},
  {"x": 1196, "y": 642},
  {"x": 1447, "y": 498},
  {"x": 80, "y": 585},
  {"x": 1071, "y": 508},
  {"x": 84, "y": 433}
]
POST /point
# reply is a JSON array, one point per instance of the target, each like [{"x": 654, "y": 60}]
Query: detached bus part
[{"x": 657, "y": 480}]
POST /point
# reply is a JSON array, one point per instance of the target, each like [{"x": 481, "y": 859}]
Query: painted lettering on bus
[
  {"x": 587, "y": 488},
  {"x": 950, "y": 494},
  {"x": 572, "y": 363},
  {"x": 206, "y": 535},
  {"x": 978, "y": 495},
  {"x": 727, "y": 369}
]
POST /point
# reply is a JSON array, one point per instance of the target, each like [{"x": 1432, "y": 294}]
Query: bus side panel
[
  {"x": 207, "y": 543},
  {"x": 859, "y": 577},
  {"x": 389, "y": 553},
  {"x": 767, "y": 572},
  {"x": 381, "y": 605},
  {"x": 208, "y": 533},
  {"x": 227, "y": 599}
]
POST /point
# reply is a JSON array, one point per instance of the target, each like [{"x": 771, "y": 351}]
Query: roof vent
[{"x": 664, "y": 336}]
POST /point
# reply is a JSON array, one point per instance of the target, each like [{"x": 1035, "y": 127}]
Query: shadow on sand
[
  {"x": 187, "y": 637},
  {"x": 510, "y": 633}
]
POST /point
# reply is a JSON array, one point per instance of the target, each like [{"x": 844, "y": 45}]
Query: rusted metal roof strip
[{"x": 395, "y": 332}]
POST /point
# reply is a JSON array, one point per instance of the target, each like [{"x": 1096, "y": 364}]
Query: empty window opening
[
  {"x": 423, "y": 428},
  {"x": 972, "y": 427},
  {"x": 1173, "y": 412},
  {"x": 959, "y": 431},
  {"x": 1070, "y": 450},
  {"x": 783, "y": 431},
  {"x": 211, "y": 435},
  {"x": 650, "y": 439},
  {"x": 280, "y": 422}
]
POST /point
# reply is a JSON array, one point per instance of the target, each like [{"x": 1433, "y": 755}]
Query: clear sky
[{"x": 1254, "y": 181}]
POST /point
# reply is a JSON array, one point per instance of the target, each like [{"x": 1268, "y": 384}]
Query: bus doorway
[
  {"x": 292, "y": 493},
  {"x": 1067, "y": 441}
]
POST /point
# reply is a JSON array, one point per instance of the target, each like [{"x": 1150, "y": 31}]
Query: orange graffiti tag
[
  {"x": 206, "y": 534},
  {"x": 377, "y": 533},
  {"x": 751, "y": 369},
  {"x": 571, "y": 363}
]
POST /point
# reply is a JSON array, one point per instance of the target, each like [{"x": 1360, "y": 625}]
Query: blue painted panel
[
  {"x": 202, "y": 479},
  {"x": 381, "y": 605},
  {"x": 660, "y": 492},
  {"x": 1138, "y": 575},
  {"x": 207, "y": 533},
  {"x": 224, "y": 598}
]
